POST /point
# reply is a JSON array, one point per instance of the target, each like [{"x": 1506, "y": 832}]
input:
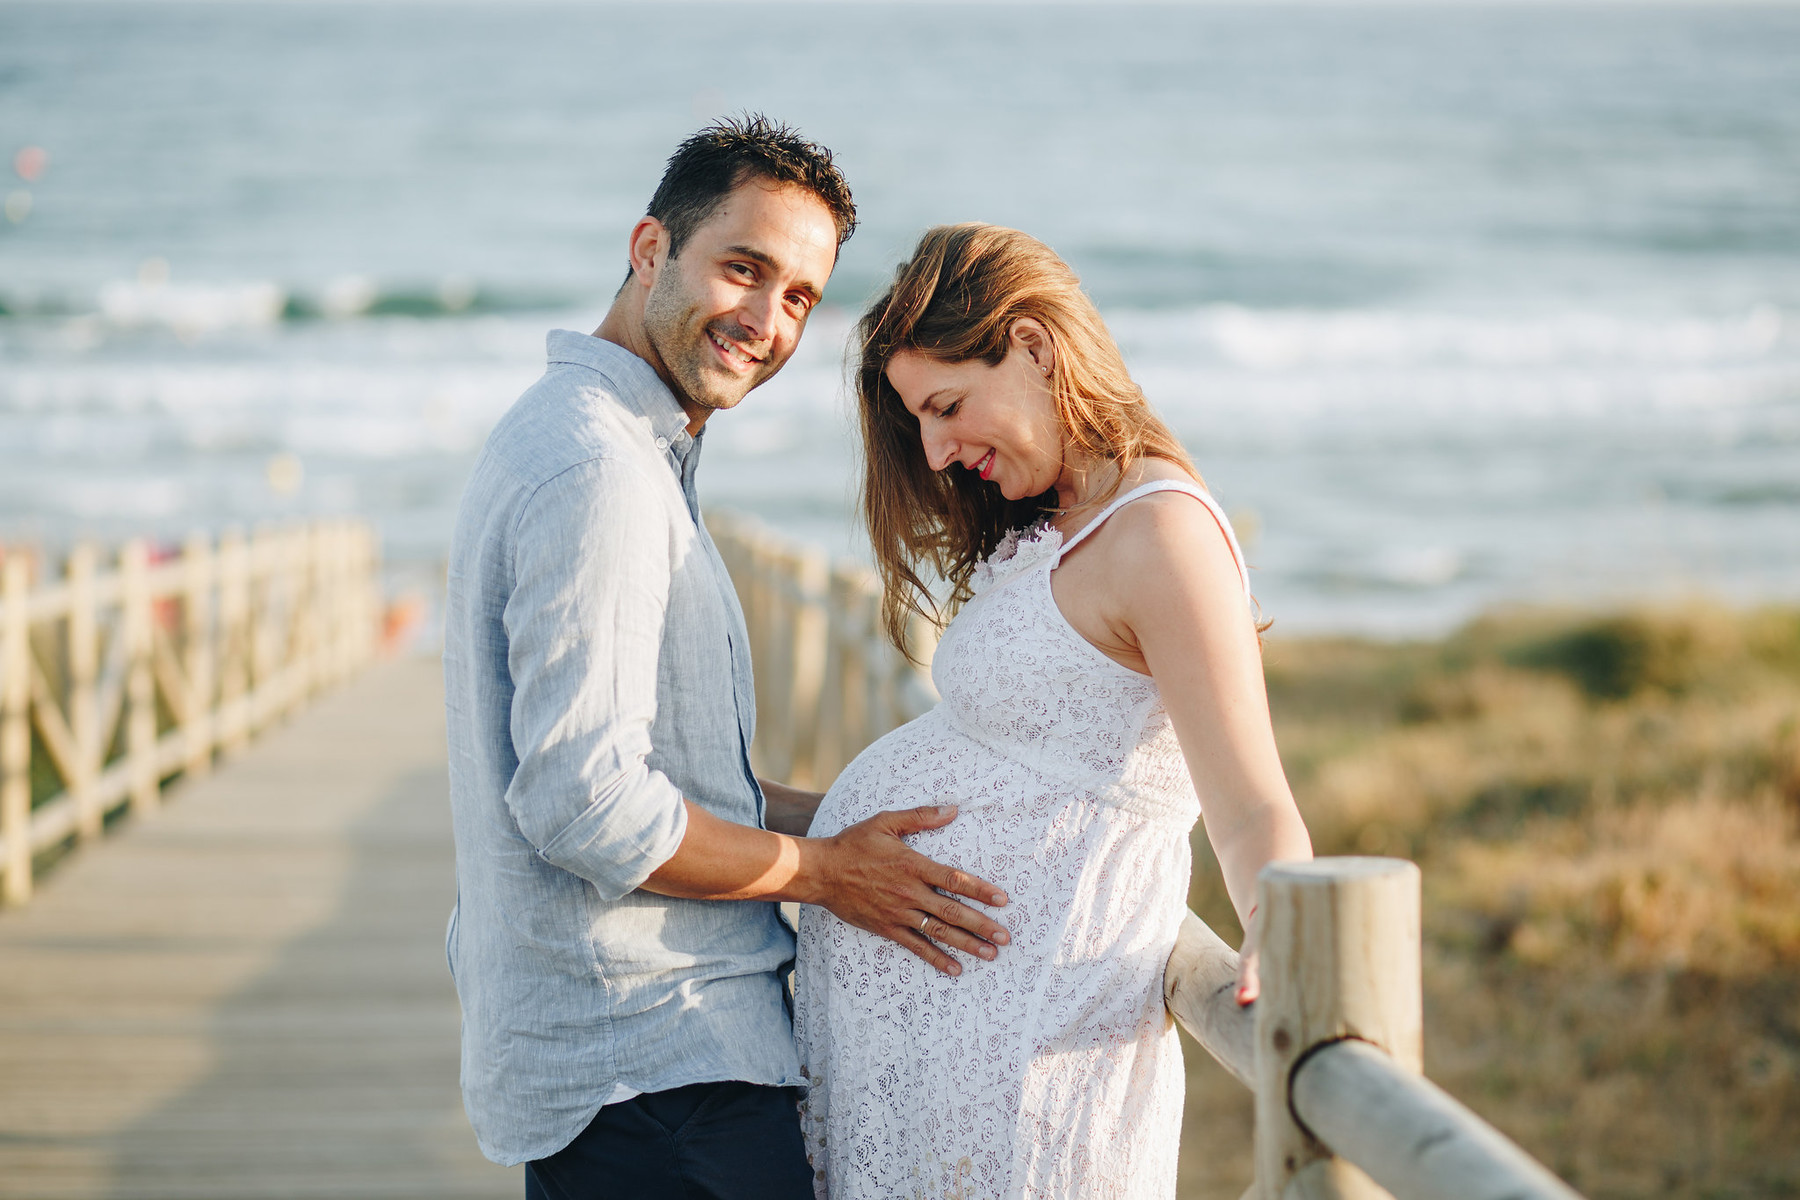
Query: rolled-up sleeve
[{"x": 593, "y": 554}]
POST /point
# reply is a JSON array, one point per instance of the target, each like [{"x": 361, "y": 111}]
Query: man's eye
[
  {"x": 800, "y": 301},
  {"x": 742, "y": 269}
]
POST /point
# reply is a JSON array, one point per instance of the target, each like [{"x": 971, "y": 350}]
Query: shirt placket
[{"x": 743, "y": 695}]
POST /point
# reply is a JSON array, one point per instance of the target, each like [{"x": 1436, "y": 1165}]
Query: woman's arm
[
  {"x": 789, "y": 810},
  {"x": 1178, "y": 597}
]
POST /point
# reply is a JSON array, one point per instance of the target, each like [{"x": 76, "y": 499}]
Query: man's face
[{"x": 725, "y": 314}]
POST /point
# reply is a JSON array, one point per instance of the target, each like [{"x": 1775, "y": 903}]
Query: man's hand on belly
[
  {"x": 875, "y": 881},
  {"x": 865, "y": 875}
]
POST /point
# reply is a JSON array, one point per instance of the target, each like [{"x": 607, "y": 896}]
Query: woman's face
[{"x": 999, "y": 422}]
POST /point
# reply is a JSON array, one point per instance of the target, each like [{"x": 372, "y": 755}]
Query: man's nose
[{"x": 759, "y": 312}]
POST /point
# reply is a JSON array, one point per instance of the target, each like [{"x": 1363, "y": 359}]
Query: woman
[{"x": 1101, "y": 669}]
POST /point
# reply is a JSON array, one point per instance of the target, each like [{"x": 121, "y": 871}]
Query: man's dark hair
[{"x": 733, "y": 150}]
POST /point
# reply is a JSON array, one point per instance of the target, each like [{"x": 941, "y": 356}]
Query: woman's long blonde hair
[{"x": 956, "y": 300}]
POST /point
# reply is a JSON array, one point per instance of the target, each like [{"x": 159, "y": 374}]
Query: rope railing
[
  {"x": 117, "y": 676},
  {"x": 1331, "y": 1051}
]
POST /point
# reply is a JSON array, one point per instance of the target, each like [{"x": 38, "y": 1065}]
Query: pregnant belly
[
  {"x": 1092, "y": 887},
  {"x": 925, "y": 761}
]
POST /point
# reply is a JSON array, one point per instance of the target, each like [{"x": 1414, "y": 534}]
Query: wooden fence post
[
  {"x": 307, "y": 543},
  {"x": 197, "y": 653},
  {"x": 337, "y": 603},
  {"x": 15, "y": 728},
  {"x": 84, "y": 712},
  {"x": 852, "y": 701},
  {"x": 138, "y": 626},
  {"x": 1340, "y": 959},
  {"x": 233, "y": 662},
  {"x": 368, "y": 589},
  {"x": 812, "y": 575},
  {"x": 264, "y": 598}
]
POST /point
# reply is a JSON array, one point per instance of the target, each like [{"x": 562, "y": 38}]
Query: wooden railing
[
  {"x": 1332, "y": 1050},
  {"x": 827, "y": 681},
  {"x": 117, "y": 676}
]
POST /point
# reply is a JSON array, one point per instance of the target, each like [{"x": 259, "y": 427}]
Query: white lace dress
[{"x": 1053, "y": 1071}]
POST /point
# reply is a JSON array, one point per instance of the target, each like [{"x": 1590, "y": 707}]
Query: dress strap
[{"x": 1166, "y": 485}]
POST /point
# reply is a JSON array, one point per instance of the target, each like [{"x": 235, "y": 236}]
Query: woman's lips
[{"x": 986, "y": 466}]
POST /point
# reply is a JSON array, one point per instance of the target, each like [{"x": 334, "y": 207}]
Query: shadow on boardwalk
[{"x": 247, "y": 996}]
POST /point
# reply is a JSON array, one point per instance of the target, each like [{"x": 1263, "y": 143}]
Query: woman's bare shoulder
[{"x": 1168, "y": 536}]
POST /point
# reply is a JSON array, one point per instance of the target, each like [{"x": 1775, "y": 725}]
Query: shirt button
[{"x": 662, "y": 443}]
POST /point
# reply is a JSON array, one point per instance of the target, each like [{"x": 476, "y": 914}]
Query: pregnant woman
[{"x": 1101, "y": 679}]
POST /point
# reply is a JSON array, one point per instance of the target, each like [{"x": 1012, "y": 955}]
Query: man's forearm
[
  {"x": 722, "y": 860},
  {"x": 866, "y": 875},
  {"x": 790, "y": 809}
]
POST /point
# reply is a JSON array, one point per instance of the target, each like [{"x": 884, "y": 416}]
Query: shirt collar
[{"x": 636, "y": 384}]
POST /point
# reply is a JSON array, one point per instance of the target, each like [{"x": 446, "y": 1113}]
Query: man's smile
[{"x": 731, "y": 352}]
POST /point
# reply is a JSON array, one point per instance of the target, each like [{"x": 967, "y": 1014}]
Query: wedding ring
[{"x": 923, "y": 922}]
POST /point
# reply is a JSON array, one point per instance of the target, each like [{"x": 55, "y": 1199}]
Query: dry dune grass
[{"x": 1607, "y": 811}]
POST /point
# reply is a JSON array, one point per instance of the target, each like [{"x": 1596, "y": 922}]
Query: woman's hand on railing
[{"x": 1249, "y": 981}]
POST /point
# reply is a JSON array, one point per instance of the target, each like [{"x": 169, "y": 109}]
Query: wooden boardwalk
[{"x": 245, "y": 995}]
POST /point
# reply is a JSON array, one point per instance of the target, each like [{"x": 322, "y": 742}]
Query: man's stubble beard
[{"x": 667, "y": 316}]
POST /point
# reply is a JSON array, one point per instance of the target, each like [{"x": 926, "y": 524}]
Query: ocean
[{"x": 1456, "y": 305}]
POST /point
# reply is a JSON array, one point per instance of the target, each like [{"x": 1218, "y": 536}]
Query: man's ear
[
  {"x": 1029, "y": 335},
  {"x": 647, "y": 249}
]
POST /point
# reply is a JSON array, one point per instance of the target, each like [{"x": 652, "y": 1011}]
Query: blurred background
[
  {"x": 1464, "y": 309},
  {"x": 1455, "y": 305}
]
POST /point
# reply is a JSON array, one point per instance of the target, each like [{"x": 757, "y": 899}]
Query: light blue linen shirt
[{"x": 596, "y": 672}]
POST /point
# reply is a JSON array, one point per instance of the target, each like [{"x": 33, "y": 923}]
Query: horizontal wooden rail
[
  {"x": 1200, "y": 988},
  {"x": 1372, "y": 1126},
  {"x": 1408, "y": 1134},
  {"x": 125, "y": 675}
]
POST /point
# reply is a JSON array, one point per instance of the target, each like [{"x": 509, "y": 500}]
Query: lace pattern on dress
[{"x": 1054, "y": 1071}]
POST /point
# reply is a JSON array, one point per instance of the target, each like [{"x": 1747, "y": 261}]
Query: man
[{"x": 616, "y": 941}]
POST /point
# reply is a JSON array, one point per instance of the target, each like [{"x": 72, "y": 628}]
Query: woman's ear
[{"x": 1029, "y": 335}]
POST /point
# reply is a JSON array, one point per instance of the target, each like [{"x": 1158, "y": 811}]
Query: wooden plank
[
  {"x": 109, "y": 691},
  {"x": 171, "y": 677},
  {"x": 53, "y": 729},
  {"x": 246, "y": 999},
  {"x": 48, "y": 603}
]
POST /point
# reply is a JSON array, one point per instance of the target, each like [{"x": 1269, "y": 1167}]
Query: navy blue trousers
[{"x": 705, "y": 1141}]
